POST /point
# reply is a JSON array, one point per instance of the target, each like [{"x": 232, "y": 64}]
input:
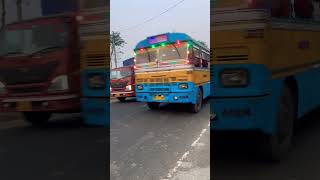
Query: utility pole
[{"x": 3, "y": 14}]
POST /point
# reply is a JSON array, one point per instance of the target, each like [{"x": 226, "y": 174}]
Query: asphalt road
[
  {"x": 235, "y": 158},
  {"x": 65, "y": 150},
  {"x": 169, "y": 143}
]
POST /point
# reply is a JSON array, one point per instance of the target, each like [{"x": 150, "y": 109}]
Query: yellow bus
[
  {"x": 265, "y": 67},
  {"x": 94, "y": 33}
]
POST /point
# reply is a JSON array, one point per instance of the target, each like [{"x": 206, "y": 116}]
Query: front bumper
[
  {"x": 181, "y": 97},
  {"x": 123, "y": 94},
  {"x": 53, "y": 103}
]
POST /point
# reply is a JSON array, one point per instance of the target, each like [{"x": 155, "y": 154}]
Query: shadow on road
[
  {"x": 64, "y": 149},
  {"x": 172, "y": 107},
  {"x": 237, "y": 153}
]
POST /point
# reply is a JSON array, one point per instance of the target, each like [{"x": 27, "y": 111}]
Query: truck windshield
[
  {"x": 162, "y": 53},
  {"x": 120, "y": 73},
  {"x": 33, "y": 38}
]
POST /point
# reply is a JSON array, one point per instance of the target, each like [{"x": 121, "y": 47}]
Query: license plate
[
  {"x": 158, "y": 97},
  {"x": 24, "y": 106}
]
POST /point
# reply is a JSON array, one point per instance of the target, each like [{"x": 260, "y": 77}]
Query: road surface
[
  {"x": 235, "y": 159},
  {"x": 64, "y": 150},
  {"x": 169, "y": 143}
]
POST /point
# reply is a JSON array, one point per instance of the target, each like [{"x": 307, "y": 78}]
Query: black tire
[
  {"x": 121, "y": 99},
  {"x": 153, "y": 105},
  {"x": 38, "y": 119},
  {"x": 276, "y": 147},
  {"x": 195, "y": 108}
]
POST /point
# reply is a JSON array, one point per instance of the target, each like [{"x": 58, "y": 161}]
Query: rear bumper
[
  {"x": 243, "y": 114},
  {"x": 181, "y": 97},
  {"x": 54, "y": 103},
  {"x": 123, "y": 94},
  {"x": 96, "y": 111}
]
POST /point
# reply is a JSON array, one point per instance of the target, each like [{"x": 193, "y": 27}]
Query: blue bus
[{"x": 172, "y": 68}]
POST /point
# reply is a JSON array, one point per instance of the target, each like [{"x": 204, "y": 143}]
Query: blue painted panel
[
  {"x": 206, "y": 90},
  {"x": 260, "y": 98},
  {"x": 309, "y": 90},
  {"x": 259, "y": 81},
  {"x": 95, "y": 111},
  {"x": 128, "y": 62},
  {"x": 172, "y": 38},
  {"x": 89, "y": 92}
]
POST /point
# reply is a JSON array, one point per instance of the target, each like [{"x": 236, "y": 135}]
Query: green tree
[{"x": 116, "y": 43}]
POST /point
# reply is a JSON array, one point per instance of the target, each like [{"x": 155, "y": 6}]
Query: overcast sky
[{"x": 191, "y": 17}]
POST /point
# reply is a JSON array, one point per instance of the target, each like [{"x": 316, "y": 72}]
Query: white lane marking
[{"x": 184, "y": 156}]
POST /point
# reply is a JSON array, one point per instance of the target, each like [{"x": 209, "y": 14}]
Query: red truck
[
  {"x": 122, "y": 83},
  {"x": 40, "y": 68}
]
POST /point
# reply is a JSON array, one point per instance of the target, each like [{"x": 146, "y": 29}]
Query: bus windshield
[
  {"x": 162, "y": 53},
  {"x": 120, "y": 73},
  {"x": 32, "y": 39}
]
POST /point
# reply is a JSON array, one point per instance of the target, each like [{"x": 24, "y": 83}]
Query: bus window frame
[{"x": 195, "y": 59}]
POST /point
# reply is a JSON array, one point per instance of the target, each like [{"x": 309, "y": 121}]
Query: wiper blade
[{"x": 46, "y": 49}]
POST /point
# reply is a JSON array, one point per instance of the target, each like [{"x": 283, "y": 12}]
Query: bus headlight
[
  {"x": 183, "y": 86},
  {"x": 96, "y": 81},
  {"x": 59, "y": 83},
  {"x": 139, "y": 87},
  {"x": 2, "y": 88},
  {"x": 234, "y": 78},
  {"x": 128, "y": 88}
]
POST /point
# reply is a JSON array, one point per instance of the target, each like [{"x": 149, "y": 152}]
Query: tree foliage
[{"x": 116, "y": 41}]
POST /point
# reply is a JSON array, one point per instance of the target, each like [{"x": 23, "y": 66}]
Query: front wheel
[
  {"x": 277, "y": 146},
  {"x": 153, "y": 105},
  {"x": 38, "y": 119},
  {"x": 195, "y": 108},
  {"x": 122, "y": 99}
]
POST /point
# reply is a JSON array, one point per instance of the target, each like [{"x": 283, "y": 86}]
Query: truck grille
[
  {"x": 119, "y": 84},
  {"x": 96, "y": 60},
  {"x": 28, "y": 75},
  {"x": 17, "y": 91}
]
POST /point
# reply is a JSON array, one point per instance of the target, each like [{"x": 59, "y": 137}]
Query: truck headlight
[
  {"x": 183, "y": 86},
  {"x": 139, "y": 87},
  {"x": 59, "y": 83},
  {"x": 2, "y": 88},
  {"x": 234, "y": 78},
  {"x": 128, "y": 88}
]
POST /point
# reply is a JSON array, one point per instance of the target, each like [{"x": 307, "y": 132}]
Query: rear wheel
[
  {"x": 38, "y": 119},
  {"x": 122, "y": 99},
  {"x": 277, "y": 146},
  {"x": 195, "y": 108},
  {"x": 153, "y": 105}
]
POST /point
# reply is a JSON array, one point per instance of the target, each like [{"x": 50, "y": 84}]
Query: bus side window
[
  {"x": 316, "y": 10},
  {"x": 196, "y": 57},
  {"x": 205, "y": 60},
  {"x": 303, "y": 9},
  {"x": 280, "y": 8}
]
